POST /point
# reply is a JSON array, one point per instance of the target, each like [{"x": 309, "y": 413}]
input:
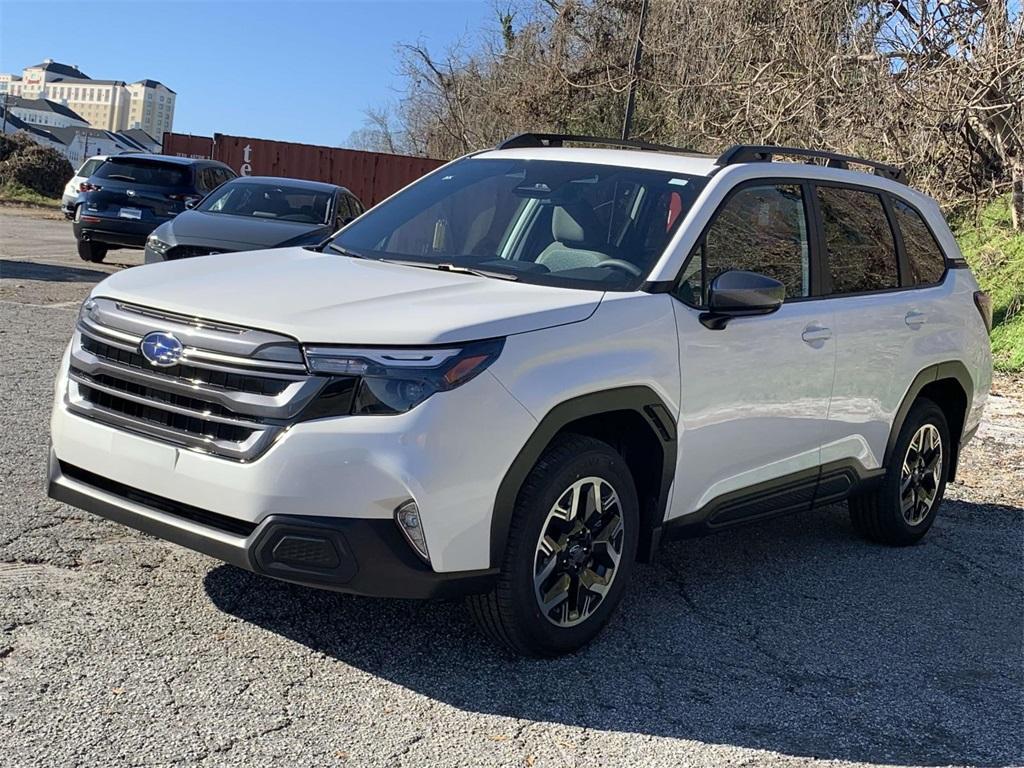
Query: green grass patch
[
  {"x": 996, "y": 255},
  {"x": 12, "y": 192}
]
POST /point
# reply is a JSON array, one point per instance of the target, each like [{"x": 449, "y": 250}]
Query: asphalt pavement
[{"x": 791, "y": 642}]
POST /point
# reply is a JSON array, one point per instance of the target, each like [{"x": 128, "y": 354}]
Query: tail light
[
  {"x": 984, "y": 304},
  {"x": 85, "y": 186}
]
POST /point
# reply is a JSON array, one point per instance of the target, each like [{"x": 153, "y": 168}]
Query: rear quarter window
[
  {"x": 924, "y": 256},
  {"x": 89, "y": 167}
]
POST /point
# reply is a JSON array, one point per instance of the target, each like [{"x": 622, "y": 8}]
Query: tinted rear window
[
  {"x": 151, "y": 172},
  {"x": 859, "y": 242}
]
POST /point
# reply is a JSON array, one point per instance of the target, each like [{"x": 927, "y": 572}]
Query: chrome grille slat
[
  {"x": 287, "y": 404},
  {"x": 162, "y": 405},
  {"x": 220, "y": 398}
]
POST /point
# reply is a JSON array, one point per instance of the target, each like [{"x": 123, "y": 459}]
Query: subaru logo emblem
[{"x": 161, "y": 349}]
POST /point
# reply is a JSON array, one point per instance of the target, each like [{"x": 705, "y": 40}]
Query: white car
[
  {"x": 74, "y": 186},
  {"x": 517, "y": 377}
]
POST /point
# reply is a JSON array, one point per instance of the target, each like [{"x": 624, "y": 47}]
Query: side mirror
[
  {"x": 192, "y": 202},
  {"x": 738, "y": 293}
]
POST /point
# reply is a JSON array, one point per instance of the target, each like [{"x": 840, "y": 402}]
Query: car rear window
[{"x": 151, "y": 172}]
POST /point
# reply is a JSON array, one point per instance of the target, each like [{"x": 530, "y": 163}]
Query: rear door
[
  {"x": 875, "y": 321},
  {"x": 755, "y": 394}
]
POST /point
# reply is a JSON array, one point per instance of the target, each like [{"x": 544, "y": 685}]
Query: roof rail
[
  {"x": 558, "y": 139},
  {"x": 763, "y": 153}
]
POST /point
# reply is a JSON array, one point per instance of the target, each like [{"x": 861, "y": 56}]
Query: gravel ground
[{"x": 786, "y": 643}]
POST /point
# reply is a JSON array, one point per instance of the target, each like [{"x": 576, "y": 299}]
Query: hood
[
  {"x": 239, "y": 232},
  {"x": 332, "y": 299}
]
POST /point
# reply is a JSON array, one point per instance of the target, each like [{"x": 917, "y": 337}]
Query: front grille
[
  {"x": 234, "y": 391},
  {"x": 158, "y": 395},
  {"x": 189, "y": 251},
  {"x": 161, "y": 504},
  {"x": 188, "y": 373},
  {"x": 192, "y": 425}
]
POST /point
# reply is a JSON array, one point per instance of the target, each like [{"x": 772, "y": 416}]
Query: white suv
[{"x": 519, "y": 375}]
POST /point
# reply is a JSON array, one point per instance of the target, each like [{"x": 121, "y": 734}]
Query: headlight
[
  {"x": 158, "y": 245},
  {"x": 88, "y": 309},
  {"x": 393, "y": 380}
]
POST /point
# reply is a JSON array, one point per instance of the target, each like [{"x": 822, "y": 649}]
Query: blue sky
[{"x": 296, "y": 71}]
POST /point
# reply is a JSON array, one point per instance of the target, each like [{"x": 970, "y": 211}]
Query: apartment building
[{"x": 110, "y": 105}]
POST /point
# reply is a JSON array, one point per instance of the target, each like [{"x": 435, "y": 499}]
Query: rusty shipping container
[{"x": 372, "y": 176}]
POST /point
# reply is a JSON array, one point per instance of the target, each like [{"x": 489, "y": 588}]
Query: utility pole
[
  {"x": 638, "y": 51},
  {"x": 3, "y": 133}
]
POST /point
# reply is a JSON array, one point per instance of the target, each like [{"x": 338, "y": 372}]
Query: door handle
[
  {"x": 915, "y": 319},
  {"x": 813, "y": 333}
]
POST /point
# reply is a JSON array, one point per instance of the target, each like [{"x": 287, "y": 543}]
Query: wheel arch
[
  {"x": 951, "y": 387},
  {"x": 634, "y": 420}
]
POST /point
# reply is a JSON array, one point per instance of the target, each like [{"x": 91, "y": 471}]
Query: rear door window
[
  {"x": 859, "y": 243},
  {"x": 924, "y": 256}
]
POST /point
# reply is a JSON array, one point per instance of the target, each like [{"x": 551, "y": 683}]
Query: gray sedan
[{"x": 253, "y": 212}]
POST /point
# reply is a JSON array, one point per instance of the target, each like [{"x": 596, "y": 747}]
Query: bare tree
[
  {"x": 380, "y": 133},
  {"x": 934, "y": 85}
]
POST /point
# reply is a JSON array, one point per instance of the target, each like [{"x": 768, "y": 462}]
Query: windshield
[
  {"x": 270, "y": 201},
  {"x": 555, "y": 223},
  {"x": 151, "y": 172}
]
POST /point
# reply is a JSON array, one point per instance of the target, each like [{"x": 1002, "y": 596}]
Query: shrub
[{"x": 25, "y": 163}]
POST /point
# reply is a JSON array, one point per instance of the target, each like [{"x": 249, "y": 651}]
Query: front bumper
[
  {"x": 362, "y": 556},
  {"x": 448, "y": 454}
]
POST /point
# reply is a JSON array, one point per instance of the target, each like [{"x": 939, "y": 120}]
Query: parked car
[
  {"x": 73, "y": 187},
  {"x": 128, "y": 196},
  {"x": 253, "y": 212},
  {"x": 517, "y": 377}
]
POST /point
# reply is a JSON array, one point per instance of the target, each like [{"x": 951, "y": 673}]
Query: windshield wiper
[
  {"x": 335, "y": 248},
  {"x": 446, "y": 267}
]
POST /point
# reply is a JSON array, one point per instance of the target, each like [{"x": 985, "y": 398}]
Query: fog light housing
[{"x": 408, "y": 519}]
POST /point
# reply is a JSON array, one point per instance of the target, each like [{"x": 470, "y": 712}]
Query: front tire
[
  {"x": 902, "y": 509},
  {"x": 571, "y": 548}
]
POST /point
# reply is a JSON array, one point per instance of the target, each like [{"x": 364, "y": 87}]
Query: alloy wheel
[
  {"x": 578, "y": 552},
  {"x": 921, "y": 474}
]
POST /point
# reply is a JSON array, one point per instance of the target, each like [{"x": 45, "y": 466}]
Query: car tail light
[
  {"x": 85, "y": 186},
  {"x": 984, "y": 304}
]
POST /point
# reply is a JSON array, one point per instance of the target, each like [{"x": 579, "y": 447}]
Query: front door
[{"x": 755, "y": 394}]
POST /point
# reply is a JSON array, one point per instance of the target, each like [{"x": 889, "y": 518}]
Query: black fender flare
[
  {"x": 953, "y": 369},
  {"x": 641, "y": 399}
]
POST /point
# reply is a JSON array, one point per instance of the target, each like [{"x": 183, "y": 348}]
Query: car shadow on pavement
[
  {"x": 53, "y": 273},
  {"x": 792, "y": 636}
]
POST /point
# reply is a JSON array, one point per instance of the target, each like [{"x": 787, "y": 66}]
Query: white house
[{"x": 44, "y": 113}]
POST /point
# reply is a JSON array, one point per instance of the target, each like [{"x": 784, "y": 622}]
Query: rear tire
[
  {"x": 569, "y": 556},
  {"x": 90, "y": 251},
  {"x": 902, "y": 509}
]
